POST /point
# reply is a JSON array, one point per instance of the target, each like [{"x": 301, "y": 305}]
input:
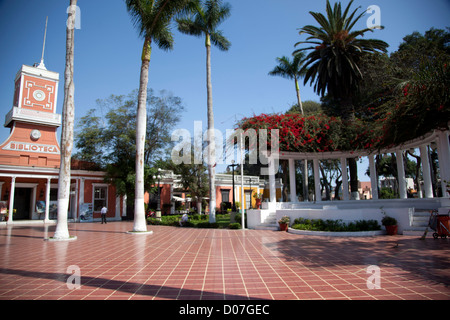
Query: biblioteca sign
[{"x": 31, "y": 147}]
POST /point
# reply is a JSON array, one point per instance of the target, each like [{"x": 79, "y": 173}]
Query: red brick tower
[{"x": 33, "y": 120}]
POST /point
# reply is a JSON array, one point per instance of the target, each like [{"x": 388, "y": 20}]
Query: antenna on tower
[{"x": 42, "y": 65}]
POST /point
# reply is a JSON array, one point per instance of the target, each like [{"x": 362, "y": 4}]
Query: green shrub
[
  {"x": 198, "y": 217},
  {"x": 238, "y": 217},
  {"x": 235, "y": 225},
  {"x": 387, "y": 193},
  {"x": 335, "y": 225}
]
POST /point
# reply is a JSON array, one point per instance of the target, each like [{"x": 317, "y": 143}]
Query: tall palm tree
[
  {"x": 206, "y": 19},
  {"x": 336, "y": 51},
  {"x": 334, "y": 59},
  {"x": 62, "y": 229},
  {"x": 152, "y": 18},
  {"x": 292, "y": 70}
]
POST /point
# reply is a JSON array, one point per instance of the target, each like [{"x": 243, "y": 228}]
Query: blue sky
[{"x": 108, "y": 49}]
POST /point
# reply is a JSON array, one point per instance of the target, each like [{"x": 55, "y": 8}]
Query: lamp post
[
  {"x": 232, "y": 165},
  {"x": 158, "y": 202}
]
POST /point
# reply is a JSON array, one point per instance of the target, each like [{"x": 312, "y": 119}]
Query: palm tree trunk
[
  {"x": 305, "y": 162},
  {"x": 348, "y": 114},
  {"x": 62, "y": 229},
  {"x": 299, "y": 100},
  {"x": 211, "y": 136},
  {"x": 141, "y": 128}
]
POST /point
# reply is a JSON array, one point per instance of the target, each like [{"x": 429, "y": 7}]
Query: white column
[
  {"x": 292, "y": 180},
  {"x": 373, "y": 177},
  {"x": 11, "y": 199},
  {"x": 124, "y": 205},
  {"x": 305, "y": 181},
  {"x": 47, "y": 200},
  {"x": 272, "y": 187},
  {"x": 318, "y": 194},
  {"x": 344, "y": 179},
  {"x": 81, "y": 190},
  {"x": 401, "y": 175},
  {"x": 117, "y": 215},
  {"x": 427, "y": 185},
  {"x": 443, "y": 151}
]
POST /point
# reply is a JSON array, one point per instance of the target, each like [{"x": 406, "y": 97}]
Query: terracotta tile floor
[{"x": 206, "y": 264}]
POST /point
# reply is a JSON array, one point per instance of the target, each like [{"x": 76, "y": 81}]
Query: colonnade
[{"x": 438, "y": 140}]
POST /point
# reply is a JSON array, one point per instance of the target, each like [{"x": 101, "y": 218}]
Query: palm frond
[
  {"x": 152, "y": 18},
  {"x": 205, "y": 20},
  {"x": 219, "y": 40},
  {"x": 187, "y": 26},
  {"x": 335, "y": 51}
]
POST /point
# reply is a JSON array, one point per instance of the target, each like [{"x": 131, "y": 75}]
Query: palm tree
[
  {"x": 291, "y": 69},
  {"x": 205, "y": 21},
  {"x": 334, "y": 60},
  {"x": 62, "y": 229},
  {"x": 333, "y": 63},
  {"x": 152, "y": 18}
]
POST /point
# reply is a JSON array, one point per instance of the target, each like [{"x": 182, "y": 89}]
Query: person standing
[{"x": 103, "y": 214}]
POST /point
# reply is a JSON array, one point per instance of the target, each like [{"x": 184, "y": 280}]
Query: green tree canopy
[{"x": 109, "y": 139}]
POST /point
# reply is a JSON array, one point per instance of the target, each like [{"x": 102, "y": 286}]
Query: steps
[
  {"x": 418, "y": 223},
  {"x": 270, "y": 223}
]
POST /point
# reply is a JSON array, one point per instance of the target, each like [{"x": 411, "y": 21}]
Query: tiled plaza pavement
[{"x": 210, "y": 264}]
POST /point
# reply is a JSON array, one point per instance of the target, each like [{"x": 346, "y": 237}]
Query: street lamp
[
  {"x": 232, "y": 165},
  {"x": 158, "y": 202}
]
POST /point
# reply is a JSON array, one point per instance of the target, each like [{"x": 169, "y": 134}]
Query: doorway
[{"x": 22, "y": 203}]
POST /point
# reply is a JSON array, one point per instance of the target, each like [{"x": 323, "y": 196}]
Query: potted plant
[
  {"x": 257, "y": 197},
  {"x": 7, "y": 214},
  {"x": 390, "y": 224},
  {"x": 284, "y": 223}
]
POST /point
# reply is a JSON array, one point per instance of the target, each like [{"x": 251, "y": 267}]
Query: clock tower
[{"x": 33, "y": 120}]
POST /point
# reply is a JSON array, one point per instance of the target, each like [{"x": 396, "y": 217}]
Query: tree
[
  {"x": 417, "y": 49},
  {"x": 334, "y": 59},
  {"x": 193, "y": 178},
  {"x": 152, "y": 19},
  {"x": 205, "y": 21},
  {"x": 310, "y": 107},
  {"x": 62, "y": 228},
  {"x": 291, "y": 69},
  {"x": 110, "y": 140}
]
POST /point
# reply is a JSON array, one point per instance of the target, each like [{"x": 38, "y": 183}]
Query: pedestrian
[
  {"x": 103, "y": 213},
  {"x": 183, "y": 220}
]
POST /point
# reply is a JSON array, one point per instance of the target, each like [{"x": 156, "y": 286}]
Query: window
[
  {"x": 100, "y": 197},
  {"x": 225, "y": 195}
]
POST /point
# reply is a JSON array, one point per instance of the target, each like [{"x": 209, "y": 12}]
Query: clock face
[
  {"x": 39, "y": 95},
  {"x": 35, "y": 134}
]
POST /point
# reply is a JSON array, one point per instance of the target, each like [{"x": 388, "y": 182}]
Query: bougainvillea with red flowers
[
  {"x": 315, "y": 133},
  {"x": 420, "y": 106}
]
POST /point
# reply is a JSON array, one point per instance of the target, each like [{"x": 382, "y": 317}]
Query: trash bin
[
  {"x": 442, "y": 228},
  {"x": 443, "y": 225}
]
